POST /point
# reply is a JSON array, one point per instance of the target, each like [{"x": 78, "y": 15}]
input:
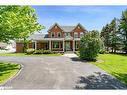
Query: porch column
[
  {"x": 35, "y": 45},
  {"x": 73, "y": 45},
  {"x": 63, "y": 45},
  {"x": 49, "y": 44}
]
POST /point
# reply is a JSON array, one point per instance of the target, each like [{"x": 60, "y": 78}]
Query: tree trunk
[{"x": 25, "y": 45}]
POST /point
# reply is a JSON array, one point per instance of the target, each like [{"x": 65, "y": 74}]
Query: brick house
[{"x": 59, "y": 38}]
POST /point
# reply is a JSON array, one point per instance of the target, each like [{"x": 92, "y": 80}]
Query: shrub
[
  {"x": 30, "y": 51},
  {"x": 38, "y": 52},
  {"x": 47, "y": 52},
  {"x": 102, "y": 51},
  {"x": 89, "y": 46}
]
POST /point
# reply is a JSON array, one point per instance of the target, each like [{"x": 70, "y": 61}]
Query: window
[
  {"x": 67, "y": 34},
  {"x": 77, "y": 45},
  {"x": 76, "y": 35},
  {"x": 81, "y": 34},
  {"x": 33, "y": 45},
  {"x": 53, "y": 34},
  {"x": 56, "y": 44},
  {"x": 58, "y": 34}
]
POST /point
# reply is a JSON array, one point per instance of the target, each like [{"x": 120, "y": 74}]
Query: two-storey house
[{"x": 59, "y": 38}]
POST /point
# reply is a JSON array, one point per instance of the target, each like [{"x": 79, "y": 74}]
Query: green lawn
[
  {"x": 114, "y": 64},
  {"x": 8, "y": 70},
  {"x": 23, "y": 54}
]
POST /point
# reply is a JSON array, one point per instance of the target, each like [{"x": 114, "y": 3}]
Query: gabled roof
[
  {"x": 66, "y": 28},
  {"x": 53, "y": 26}
]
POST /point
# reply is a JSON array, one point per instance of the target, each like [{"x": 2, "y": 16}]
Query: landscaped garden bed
[
  {"x": 24, "y": 54},
  {"x": 8, "y": 70}
]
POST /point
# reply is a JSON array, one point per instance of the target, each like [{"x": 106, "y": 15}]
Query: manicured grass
[
  {"x": 8, "y": 70},
  {"x": 114, "y": 64},
  {"x": 23, "y": 54}
]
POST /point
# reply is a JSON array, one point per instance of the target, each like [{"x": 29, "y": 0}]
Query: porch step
[{"x": 68, "y": 52}]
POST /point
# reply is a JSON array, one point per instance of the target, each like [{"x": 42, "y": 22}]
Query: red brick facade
[{"x": 55, "y": 30}]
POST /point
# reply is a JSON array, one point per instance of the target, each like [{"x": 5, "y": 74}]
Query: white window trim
[
  {"x": 76, "y": 43},
  {"x": 56, "y": 48}
]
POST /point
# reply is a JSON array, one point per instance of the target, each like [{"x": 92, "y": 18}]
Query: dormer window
[
  {"x": 53, "y": 35},
  {"x": 76, "y": 35},
  {"x": 81, "y": 34},
  {"x": 58, "y": 34}
]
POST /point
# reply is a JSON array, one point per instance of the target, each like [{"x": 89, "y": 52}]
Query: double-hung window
[
  {"x": 75, "y": 35},
  {"x": 53, "y": 35},
  {"x": 56, "y": 44},
  {"x": 58, "y": 34}
]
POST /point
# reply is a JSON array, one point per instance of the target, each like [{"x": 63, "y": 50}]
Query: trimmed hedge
[
  {"x": 47, "y": 52},
  {"x": 30, "y": 51},
  {"x": 38, "y": 52}
]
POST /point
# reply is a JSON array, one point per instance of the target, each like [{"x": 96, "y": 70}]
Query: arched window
[
  {"x": 58, "y": 34},
  {"x": 53, "y": 34},
  {"x": 76, "y": 35}
]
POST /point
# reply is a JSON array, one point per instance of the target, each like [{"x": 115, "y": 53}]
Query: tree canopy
[{"x": 17, "y": 22}]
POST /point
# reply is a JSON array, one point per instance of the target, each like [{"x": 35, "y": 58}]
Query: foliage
[
  {"x": 30, "y": 51},
  {"x": 24, "y": 54},
  {"x": 112, "y": 36},
  {"x": 123, "y": 29},
  {"x": 106, "y": 37},
  {"x": 89, "y": 46},
  {"x": 102, "y": 47},
  {"x": 17, "y": 22},
  {"x": 38, "y": 52},
  {"x": 47, "y": 52}
]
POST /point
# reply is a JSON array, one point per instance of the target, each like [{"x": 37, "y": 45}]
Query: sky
[{"x": 91, "y": 17}]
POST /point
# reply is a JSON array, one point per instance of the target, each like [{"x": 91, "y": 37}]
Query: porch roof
[
  {"x": 38, "y": 37},
  {"x": 42, "y": 37}
]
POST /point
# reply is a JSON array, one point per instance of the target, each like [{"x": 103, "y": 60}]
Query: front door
[{"x": 67, "y": 46}]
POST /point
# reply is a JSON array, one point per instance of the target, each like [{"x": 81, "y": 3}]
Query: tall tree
[
  {"x": 17, "y": 22},
  {"x": 114, "y": 35},
  {"x": 123, "y": 29},
  {"x": 105, "y": 34}
]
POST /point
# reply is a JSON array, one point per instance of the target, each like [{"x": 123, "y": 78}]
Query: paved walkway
[
  {"x": 71, "y": 55},
  {"x": 59, "y": 72}
]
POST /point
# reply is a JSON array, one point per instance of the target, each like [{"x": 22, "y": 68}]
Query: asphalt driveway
[{"x": 59, "y": 72}]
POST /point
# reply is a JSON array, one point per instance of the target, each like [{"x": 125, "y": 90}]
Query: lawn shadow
[
  {"x": 4, "y": 68},
  {"x": 99, "y": 81},
  {"x": 121, "y": 76}
]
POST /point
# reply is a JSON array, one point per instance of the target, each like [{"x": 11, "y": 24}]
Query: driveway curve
[{"x": 59, "y": 72}]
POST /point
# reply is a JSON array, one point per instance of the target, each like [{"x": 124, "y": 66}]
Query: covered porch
[{"x": 56, "y": 45}]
